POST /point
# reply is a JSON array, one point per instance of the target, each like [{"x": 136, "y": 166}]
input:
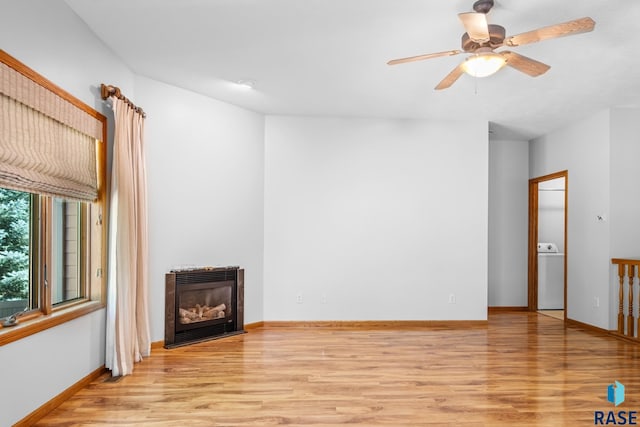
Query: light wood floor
[
  {"x": 522, "y": 369},
  {"x": 558, "y": 314}
]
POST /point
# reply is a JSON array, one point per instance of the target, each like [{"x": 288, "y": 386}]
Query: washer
[{"x": 550, "y": 277}]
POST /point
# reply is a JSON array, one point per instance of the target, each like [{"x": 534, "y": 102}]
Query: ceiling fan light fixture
[{"x": 483, "y": 64}]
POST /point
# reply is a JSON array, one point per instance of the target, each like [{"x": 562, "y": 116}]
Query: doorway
[{"x": 547, "y": 266}]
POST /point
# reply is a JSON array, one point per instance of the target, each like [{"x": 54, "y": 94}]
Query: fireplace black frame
[{"x": 178, "y": 281}]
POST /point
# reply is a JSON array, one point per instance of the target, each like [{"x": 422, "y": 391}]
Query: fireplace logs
[{"x": 201, "y": 313}]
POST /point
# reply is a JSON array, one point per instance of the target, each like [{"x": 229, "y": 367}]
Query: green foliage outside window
[{"x": 14, "y": 245}]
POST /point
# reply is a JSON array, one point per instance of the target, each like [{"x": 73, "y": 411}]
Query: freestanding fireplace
[{"x": 202, "y": 304}]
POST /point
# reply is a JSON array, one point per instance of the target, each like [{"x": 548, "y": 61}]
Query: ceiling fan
[{"x": 481, "y": 39}]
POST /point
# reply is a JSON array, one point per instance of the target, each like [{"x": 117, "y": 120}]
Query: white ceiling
[{"x": 328, "y": 57}]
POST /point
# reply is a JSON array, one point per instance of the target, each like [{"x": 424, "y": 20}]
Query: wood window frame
[{"x": 46, "y": 315}]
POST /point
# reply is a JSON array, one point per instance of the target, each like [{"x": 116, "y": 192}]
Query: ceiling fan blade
[
  {"x": 577, "y": 26},
  {"x": 526, "y": 65},
  {"x": 475, "y": 24},
  {"x": 423, "y": 57},
  {"x": 450, "y": 78}
]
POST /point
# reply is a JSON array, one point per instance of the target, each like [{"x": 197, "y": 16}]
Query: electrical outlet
[
  {"x": 299, "y": 298},
  {"x": 323, "y": 298},
  {"x": 452, "y": 298},
  {"x": 596, "y": 301}
]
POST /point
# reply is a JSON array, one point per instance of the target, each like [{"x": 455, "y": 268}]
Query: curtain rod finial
[
  {"x": 104, "y": 91},
  {"x": 107, "y": 90}
]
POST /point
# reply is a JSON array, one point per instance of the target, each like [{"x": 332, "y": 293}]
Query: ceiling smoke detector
[{"x": 246, "y": 84}]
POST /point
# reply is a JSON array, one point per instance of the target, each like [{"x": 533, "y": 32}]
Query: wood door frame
[{"x": 533, "y": 237}]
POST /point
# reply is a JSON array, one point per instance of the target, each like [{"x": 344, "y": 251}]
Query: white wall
[
  {"x": 205, "y": 166},
  {"x": 625, "y": 196},
  {"x": 582, "y": 148},
  {"x": 49, "y": 38},
  {"x": 508, "y": 223},
  {"x": 375, "y": 219},
  {"x": 625, "y": 193}
]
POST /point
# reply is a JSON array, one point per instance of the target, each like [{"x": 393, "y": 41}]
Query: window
[
  {"x": 69, "y": 253},
  {"x": 15, "y": 252},
  {"x": 52, "y": 237},
  {"x": 32, "y": 226}
]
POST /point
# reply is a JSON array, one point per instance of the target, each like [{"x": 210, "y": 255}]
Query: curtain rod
[{"x": 107, "y": 90}]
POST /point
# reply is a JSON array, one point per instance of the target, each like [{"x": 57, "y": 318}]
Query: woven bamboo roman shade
[{"x": 47, "y": 144}]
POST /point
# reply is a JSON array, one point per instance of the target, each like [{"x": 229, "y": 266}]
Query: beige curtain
[{"x": 128, "y": 337}]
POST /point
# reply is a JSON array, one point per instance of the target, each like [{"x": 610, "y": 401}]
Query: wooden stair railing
[{"x": 627, "y": 267}]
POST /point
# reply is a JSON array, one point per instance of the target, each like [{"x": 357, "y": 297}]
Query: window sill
[{"x": 27, "y": 327}]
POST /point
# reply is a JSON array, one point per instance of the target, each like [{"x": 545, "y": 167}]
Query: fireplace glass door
[{"x": 203, "y": 304}]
